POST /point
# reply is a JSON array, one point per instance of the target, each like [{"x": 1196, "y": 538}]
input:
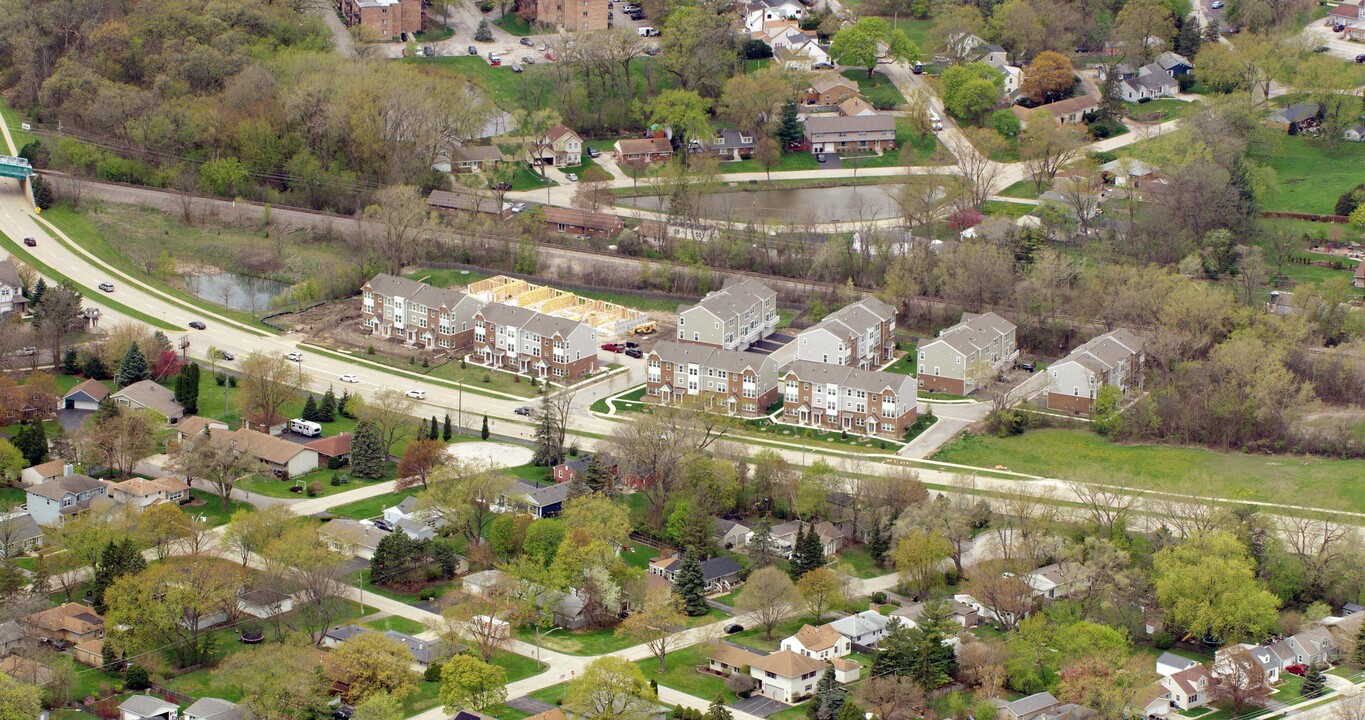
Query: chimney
[{"x": 68, "y": 468}]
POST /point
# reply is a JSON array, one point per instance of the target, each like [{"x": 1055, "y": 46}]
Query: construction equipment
[{"x": 644, "y": 328}]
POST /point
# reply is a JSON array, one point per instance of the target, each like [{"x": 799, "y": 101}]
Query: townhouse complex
[
  {"x": 966, "y": 354},
  {"x": 861, "y": 335},
  {"x": 417, "y": 313},
  {"x": 838, "y": 397},
  {"x": 525, "y": 341},
  {"x": 1114, "y": 358},
  {"x": 731, "y": 381},
  {"x": 732, "y": 318}
]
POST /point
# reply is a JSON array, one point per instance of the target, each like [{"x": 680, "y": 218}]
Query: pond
[
  {"x": 808, "y": 205},
  {"x": 238, "y": 292}
]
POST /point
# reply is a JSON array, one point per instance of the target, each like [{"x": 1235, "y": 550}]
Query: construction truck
[{"x": 645, "y": 328}]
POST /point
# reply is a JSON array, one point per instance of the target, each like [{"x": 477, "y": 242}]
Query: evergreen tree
[
  {"x": 395, "y": 558},
  {"x": 116, "y": 560},
  {"x": 761, "y": 545},
  {"x": 39, "y": 288},
  {"x": 447, "y": 431},
  {"x": 41, "y": 582},
  {"x": 851, "y": 711},
  {"x": 1313, "y": 682},
  {"x": 578, "y": 485},
  {"x": 549, "y": 451},
  {"x": 690, "y": 587},
  {"x": 880, "y": 545},
  {"x": 790, "y": 130},
  {"x": 31, "y": 441},
  {"x": 829, "y": 698},
  {"x": 893, "y": 650},
  {"x": 483, "y": 432},
  {"x": 1189, "y": 38},
  {"x": 71, "y": 363},
  {"x": 327, "y": 409},
  {"x": 108, "y": 409},
  {"x": 12, "y": 580},
  {"x": 367, "y": 452},
  {"x": 1358, "y": 655},
  {"x": 133, "y": 368},
  {"x": 694, "y": 533},
  {"x": 435, "y": 433},
  {"x": 483, "y": 33},
  {"x": 597, "y": 474},
  {"x": 94, "y": 368},
  {"x": 931, "y": 662},
  {"x": 807, "y": 555},
  {"x": 310, "y": 409},
  {"x": 718, "y": 711},
  {"x": 187, "y": 388}
]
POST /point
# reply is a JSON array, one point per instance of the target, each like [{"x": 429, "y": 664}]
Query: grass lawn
[
  {"x": 596, "y": 642},
  {"x": 1082, "y": 455},
  {"x": 509, "y": 90},
  {"x": 370, "y": 507},
  {"x": 1311, "y": 174},
  {"x": 426, "y": 697},
  {"x": 13, "y": 118},
  {"x": 857, "y": 561},
  {"x": 271, "y": 486},
  {"x": 878, "y": 89},
  {"x": 509, "y": 713},
  {"x": 905, "y": 364},
  {"x": 627, "y": 401},
  {"x": 528, "y": 179},
  {"x": 1007, "y": 209},
  {"x": 397, "y": 624},
  {"x": 436, "y": 590},
  {"x": 476, "y": 379},
  {"x": 12, "y": 496},
  {"x": 1025, "y": 189},
  {"x": 788, "y": 161},
  {"x": 551, "y": 694},
  {"x": 212, "y": 508},
  {"x": 639, "y": 556},
  {"x": 757, "y": 638},
  {"x": 681, "y": 673},
  {"x": 435, "y": 34},
  {"x": 514, "y": 24},
  {"x": 1157, "y": 111},
  {"x": 913, "y": 150},
  {"x": 518, "y": 667}
]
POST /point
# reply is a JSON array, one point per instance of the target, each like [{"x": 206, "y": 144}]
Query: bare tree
[
  {"x": 1106, "y": 505},
  {"x": 1317, "y": 543},
  {"x": 392, "y": 414},
  {"x": 215, "y": 461},
  {"x": 980, "y": 173},
  {"x": 269, "y": 381},
  {"x": 1240, "y": 680},
  {"x": 403, "y": 215},
  {"x": 1004, "y": 594}
]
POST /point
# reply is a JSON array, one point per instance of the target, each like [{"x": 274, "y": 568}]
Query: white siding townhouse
[
  {"x": 732, "y": 318},
  {"x": 759, "y": 12},
  {"x": 861, "y": 335},
  {"x": 1114, "y": 358},
  {"x": 418, "y": 314},
  {"x": 864, "y": 628},
  {"x": 978, "y": 346}
]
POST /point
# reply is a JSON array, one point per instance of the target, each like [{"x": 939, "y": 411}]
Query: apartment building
[
  {"x": 574, "y": 14},
  {"x": 387, "y": 19},
  {"x": 861, "y": 335},
  {"x": 532, "y": 343},
  {"x": 961, "y": 356},
  {"x": 729, "y": 381},
  {"x": 417, "y": 313},
  {"x": 838, "y": 397},
  {"x": 1114, "y": 358},
  {"x": 732, "y": 318}
]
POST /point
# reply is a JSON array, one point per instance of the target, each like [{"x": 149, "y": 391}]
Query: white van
[
  {"x": 647, "y": 32},
  {"x": 306, "y": 428}
]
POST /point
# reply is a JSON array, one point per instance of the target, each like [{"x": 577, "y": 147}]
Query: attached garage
[{"x": 86, "y": 396}]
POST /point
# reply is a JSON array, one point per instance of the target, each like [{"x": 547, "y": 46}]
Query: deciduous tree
[
  {"x": 655, "y": 625},
  {"x": 372, "y": 662},
  {"x": 471, "y": 684},
  {"x": 769, "y": 597}
]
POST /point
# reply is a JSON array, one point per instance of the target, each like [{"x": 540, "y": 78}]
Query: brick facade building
[
  {"x": 838, "y": 397},
  {"x": 387, "y": 18},
  {"x": 574, "y": 14},
  {"x": 527, "y": 342},
  {"x": 417, "y": 313},
  {"x": 727, "y": 381}
]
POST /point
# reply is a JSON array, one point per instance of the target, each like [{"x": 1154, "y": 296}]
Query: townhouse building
[
  {"x": 861, "y": 335},
  {"x": 387, "y": 19},
  {"x": 418, "y": 314},
  {"x": 532, "y": 343},
  {"x": 838, "y": 397},
  {"x": 732, "y": 318},
  {"x": 963, "y": 355},
  {"x": 729, "y": 381},
  {"x": 570, "y": 15},
  {"x": 1114, "y": 358}
]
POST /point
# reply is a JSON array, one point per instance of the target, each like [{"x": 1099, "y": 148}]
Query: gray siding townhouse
[
  {"x": 1114, "y": 358},
  {"x": 417, "y": 313},
  {"x": 851, "y": 134},
  {"x": 732, "y": 318},
  {"x": 528, "y": 342},
  {"x": 978, "y": 346},
  {"x": 861, "y": 335}
]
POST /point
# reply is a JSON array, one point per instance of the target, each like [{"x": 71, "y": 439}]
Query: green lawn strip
[
  {"x": 681, "y": 673},
  {"x": 577, "y": 642},
  {"x": 1081, "y": 455},
  {"x": 504, "y": 712},
  {"x": 514, "y": 24},
  {"x": 877, "y": 90},
  {"x": 12, "y": 496},
  {"x": 1157, "y": 111},
  {"x": 1025, "y": 189},
  {"x": 756, "y": 637},
  {"x": 435, "y": 34},
  {"x": 788, "y": 161},
  {"x": 911, "y": 150},
  {"x": 396, "y": 624},
  {"x": 375, "y": 362},
  {"x": 639, "y": 556},
  {"x": 446, "y": 277},
  {"x": 212, "y": 508},
  {"x": 528, "y": 179},
  {"x": 551, "y": 695},
  {"x": 1310, "y": 173},
  {"x": 371, "y": 507},
  {"x": 904, "y": 365},
  {"x": 436, "y": 590},
  {"x": 426, "y": 698},
  {"x": 857, "y": 561},
  {"x": 13, "y": 118},
  {"x": 518, "y": 667},
  {"x": 78, "y": 226},
  {"x": 221, "y": 402},
  {"x": 103, "y": 299},
  {"x": 1008, "y": 209},
  {"x": 271, "y": 486}
]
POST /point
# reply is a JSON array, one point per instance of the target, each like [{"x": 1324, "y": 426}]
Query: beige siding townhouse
[
  {"x": 531, "y": 343},
  {"x": 417, "y": 313},
  {"x": 838, "y": 397},
  {"x": 285, "y": 459},
  {"x": 861, "y": 335},
  {"x": 1114, "y": 358},
  {"x": 732, "y": 318},
  {"x": 786, "y": 676},
  {"x": 836, "y": 134},
  {"x": 729, "y": 381},
  {"x": 975, "y": 348}
]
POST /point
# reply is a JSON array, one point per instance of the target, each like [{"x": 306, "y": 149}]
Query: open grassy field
[
  {"x": 1007, "y": 209},
  {"x": 596, "y": 642},
  {"x": 514, "y": 91},
  {"x": 370, "y": 507},
  {"x": 13, "y": 119},
  {"x": 1311, "y": 173},
  {"x": 1082, "y": 455},
  {"x": 680, "y": 673},
  {"x": 911, "y": 150},
  {"x": 514, "y": 24},
  {"x": 211, "y": 508},
  {"x": 878, "y": 89},
  {"x": 396, "y": 624},
  {"x": 1157, "y": 111}
]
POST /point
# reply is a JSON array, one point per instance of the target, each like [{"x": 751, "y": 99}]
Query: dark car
[
  {"x": 523, "y": 410},
  {"x": 1025, "y": 366},
  {"x": 473, "y": 50},
  {"x": 225, "y": 355},
  {"x": 634, "y": 353},
  {"x": 197, "y": 325},
  {"x": 383, "y": 525},
  {"x": 918, "y": 69},
  {"x": 594, "y": 152},
  {"x": 502, "y": 186},
  {"x": 527, "y": 42},
  {"x": 1360, "y": 58},
  {"x": 733, "y": 628},
  {"x": 632, "y": 344},
  {"x": 819, "y": 157},
  {"x": 31, "y": 242},
  {"x": 651, "y": 51}
]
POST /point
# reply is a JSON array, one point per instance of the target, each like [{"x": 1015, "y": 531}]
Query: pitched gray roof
[
  {"x": 530, "y": 320},
  {"x": 732, "y": 361},
  {"x": 1031, "y": 704},
  {"x": 346, "y": 632},
  {"x": 147, "y": 706},
  {"x": 860, "y": 624},
  {"x": 151, "y": 395},
  {"x": 873, "y": 381},
  {"x": 57, "y": 488},
  {"x": 419, "y": 292},
  {"x": 10, "y": 632},
  {"x": 463, "y": 201},
  {"x": 719, "y": 567},
  {"x": 975, "y": 332},
  {"x": 1168, "y": 60},
  {"x": 19, "y": 529},
  {"x": 421, "y": 649},
  {"x": 736, "y": 299},
  {"x": 215, "y": 709},
  {"x": 881, "y": 123},
  {"x": 544, "y": 496}
]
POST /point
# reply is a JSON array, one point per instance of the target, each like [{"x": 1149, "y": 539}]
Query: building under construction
[{"x": 609, "y": 318}]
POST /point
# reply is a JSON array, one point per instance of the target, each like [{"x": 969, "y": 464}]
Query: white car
[
  {"x": 294, "y": 357},
  {"x": 350, "y": 379},
  {"x": 417, "y": 394}
]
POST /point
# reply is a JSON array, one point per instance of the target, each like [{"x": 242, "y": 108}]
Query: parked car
[
  {"x": 594, "y": 152},
  {"x": 918, "y": 69},
  {"x": 550, "y": 56},
  {"x": 473, "y": 50},
  {"x": 632, "y": 345},
  {"x": 294, "y": 356},
  {"x": 198, "y": 325},
  {"x": 495, "y": 62},
  {"x": 107, "y": 286},
  {"x": 1299, "y": 670},
  {"x": 573, "y": 177},
  {"x": 527, "y": 60},
  {"x": 632, "y": 352},
  {"x": 1360, "y": 58},
  {"x": 519, "y": 207},
  {"x": 527, "y": 42},
  {"x": 417, "y": 394},
  {"x": 651, "y": 51},
  {"x": 524, "y": 410},
  {"x": 542, "y": 47},
  {"x": 516, "y": 66},
  {"x": 225, "y": 355},
  {"x": 31, "y": 242},
  {"x": 819, "y": 157},
  {"x": 502, "y": 186},
  {"x": 1216, "y": 5},
  {"x": 26, "y": 351},
  {"x": 348, "y": 378},
  {"x": 733, "y": 628},
  {"x": 612, "y": 347},
  {"x": 1025, "y": 366},
  {"x": 383, "y": 524}
]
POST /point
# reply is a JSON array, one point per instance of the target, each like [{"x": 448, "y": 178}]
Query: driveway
[
  {"x": 1319, "y": 34},
  {"x": 759, "y": 706},
  {"x": 528, "y": 705}
]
